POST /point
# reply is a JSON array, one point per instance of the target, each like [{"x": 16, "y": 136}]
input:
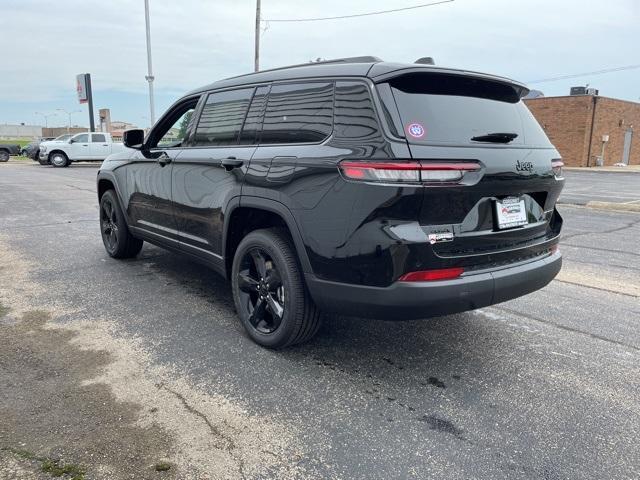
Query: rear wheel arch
[
  {"x": 104, "y": 184},
  {"x": 255, "y": 214}
]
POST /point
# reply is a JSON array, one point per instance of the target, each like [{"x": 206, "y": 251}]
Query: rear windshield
[{"x": 453, "y": 109}]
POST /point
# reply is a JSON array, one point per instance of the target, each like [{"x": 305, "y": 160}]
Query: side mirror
[
  {"x": 133, "y": 138},
  {"x": 71, "y": 140}
]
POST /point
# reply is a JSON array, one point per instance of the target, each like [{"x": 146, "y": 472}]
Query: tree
[{"x": 184, "y": 124}]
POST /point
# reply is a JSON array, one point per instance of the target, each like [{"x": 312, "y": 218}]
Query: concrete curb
[
  {"x": 620, "y": 207},
  {"x": 632, "y": 169}
]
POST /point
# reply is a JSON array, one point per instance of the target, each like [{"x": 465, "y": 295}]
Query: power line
[
  {"x": 576, "y": 75},
  {"x": 357, "y": 14}
]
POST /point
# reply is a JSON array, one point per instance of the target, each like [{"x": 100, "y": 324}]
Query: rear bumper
[{"x": 411, "y": 300}]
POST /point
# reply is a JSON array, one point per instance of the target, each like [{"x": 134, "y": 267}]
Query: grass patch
[
  {"x": 58, "y": 469},
  {"x": 55, "y": 468},
  {"x": 16, "y": 141},
  {"x": 162, "y": 467},
  {"x": 18, "y": 452},
  {"x": 4, "y": 310}
]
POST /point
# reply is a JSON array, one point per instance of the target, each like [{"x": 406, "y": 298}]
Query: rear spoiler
[{"x": 520, "y": 89}]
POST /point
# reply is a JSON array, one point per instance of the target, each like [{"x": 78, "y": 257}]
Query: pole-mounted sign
[{"x": 83, "y": 87}]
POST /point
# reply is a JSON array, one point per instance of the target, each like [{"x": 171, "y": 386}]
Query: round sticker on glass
[{"x": 416, "y": 130}]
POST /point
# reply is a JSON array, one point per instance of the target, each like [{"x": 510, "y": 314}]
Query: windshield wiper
[{"x": 495, "y": 137}]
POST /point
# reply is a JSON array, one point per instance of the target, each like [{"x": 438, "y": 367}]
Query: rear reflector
[
  {"x": 431, "y": 275},
  {"x": 403, "y": 172}
]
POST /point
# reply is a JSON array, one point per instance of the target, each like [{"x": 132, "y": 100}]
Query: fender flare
[{"x": 276, "y": 207}]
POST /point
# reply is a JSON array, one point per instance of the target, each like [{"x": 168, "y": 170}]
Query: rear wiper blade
[{"x": 496, "y": 137}]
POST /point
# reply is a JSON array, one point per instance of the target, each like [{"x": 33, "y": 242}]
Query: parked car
[
  {"x": 32, "y": 149},
  {"x": 6, "y": 150},
  {"x": 81, "y": 147},
  {"x": 356, "y": 186}
]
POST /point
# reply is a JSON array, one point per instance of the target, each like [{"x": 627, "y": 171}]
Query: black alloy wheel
[
  {"x": 117, "y": 239},
  {"x": 261, "y": 290},
  {"x": 269, "y": 293},
  {"x": 109, "y": 225}
]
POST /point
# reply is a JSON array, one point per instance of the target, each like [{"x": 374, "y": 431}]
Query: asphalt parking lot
[
  {"x": 617, "y": 187},
  {"x": 140, "y": 369}
]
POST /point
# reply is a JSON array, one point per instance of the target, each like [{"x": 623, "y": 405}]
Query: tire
[
  {"x": 59, "y": 160},
  {"x": 4, "y": 156},
  {"x": 116, "y": 237},
  {"x": 258, "y": 299}
]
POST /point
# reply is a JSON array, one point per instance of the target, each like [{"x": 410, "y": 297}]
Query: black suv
[{"x": 353, "y": 186}]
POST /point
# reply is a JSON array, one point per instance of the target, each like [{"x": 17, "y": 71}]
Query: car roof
[{"x": 363, "y": 67}]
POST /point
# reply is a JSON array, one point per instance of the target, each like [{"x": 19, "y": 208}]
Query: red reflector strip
[
  {"x": 467, "y": 166},
  {"x": 381, "y": 165},
  {"x": 431, "y": 275}
]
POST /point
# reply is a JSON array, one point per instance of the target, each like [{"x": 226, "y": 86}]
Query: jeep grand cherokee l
[{"x": 354, "y": 186}]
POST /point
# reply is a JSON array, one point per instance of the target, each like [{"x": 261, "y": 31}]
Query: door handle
[
  {"x": 230, "y": 163},
  {"x": 164, "y": 159}
]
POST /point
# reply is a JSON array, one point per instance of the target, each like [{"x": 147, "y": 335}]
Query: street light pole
[
  {"x": 69, "y": 114},
  {"x": 257, "y": 45},
  {"x": 46, "y": 118},
  {"x": 149, "y": 77}
]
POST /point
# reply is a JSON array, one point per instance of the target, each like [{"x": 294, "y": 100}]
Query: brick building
[{"x": 585, "y": 127}]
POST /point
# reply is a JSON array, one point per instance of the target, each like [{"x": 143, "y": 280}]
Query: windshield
[
  {"x": 62, "y": 138},
  {"x": 463, "y": 110}
]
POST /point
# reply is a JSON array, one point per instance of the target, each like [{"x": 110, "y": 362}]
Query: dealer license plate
[{"x": 510, "y": 212}]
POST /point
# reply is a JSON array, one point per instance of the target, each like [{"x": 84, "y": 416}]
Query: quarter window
[
  {"x": 222, "y": 117},
  {"x": 298, "y": 113},
  {"x": 355, "y": 117}
]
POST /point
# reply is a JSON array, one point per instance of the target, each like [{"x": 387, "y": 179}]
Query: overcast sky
[{"x": 195, "y": 42}]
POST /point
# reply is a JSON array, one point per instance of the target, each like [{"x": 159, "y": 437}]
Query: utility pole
[
  {"x": 257, "y": 51},
  {"x": 149, "y": 77}
]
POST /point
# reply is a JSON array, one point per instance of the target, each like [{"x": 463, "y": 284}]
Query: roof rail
[
  {"x": 425, "y": 61},
  {"x": 363, "y": 59}
]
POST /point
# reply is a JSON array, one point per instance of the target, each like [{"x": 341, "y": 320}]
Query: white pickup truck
[{"x": 82, "y": 147}]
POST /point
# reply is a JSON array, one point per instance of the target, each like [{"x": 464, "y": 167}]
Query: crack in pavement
[
  {"x": 597, "y": 288},
  {"x": 564, "y": 327},
  {"x": 230, "y": 444},
  {"x": 608, "y": 250},
  {"x": 604, "y": 232},
  {"x": 80, "y": 188},
  {"x": 66, "y": 222}
]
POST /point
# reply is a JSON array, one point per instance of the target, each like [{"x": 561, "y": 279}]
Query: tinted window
[
  {"x": 298, "y": 113},
  {"x": 98, "y": 138},
  {"x": 176, "y": 132},
  {"x": 253, "y": 122},
  {"x": 84, "y": 138},
  {"x": 354, "y": 116},
  {"x": 453, "y": 109},
  {"x": 222, "y": 118}
]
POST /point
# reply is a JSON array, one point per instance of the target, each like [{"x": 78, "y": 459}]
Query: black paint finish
[{"x": 349, "y": 235}]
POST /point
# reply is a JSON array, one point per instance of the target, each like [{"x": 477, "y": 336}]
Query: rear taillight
[
  {"x": 431, "y": 275},
  {"x": 407, "y": 172},
  {"x": 556, "y": 166}
]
